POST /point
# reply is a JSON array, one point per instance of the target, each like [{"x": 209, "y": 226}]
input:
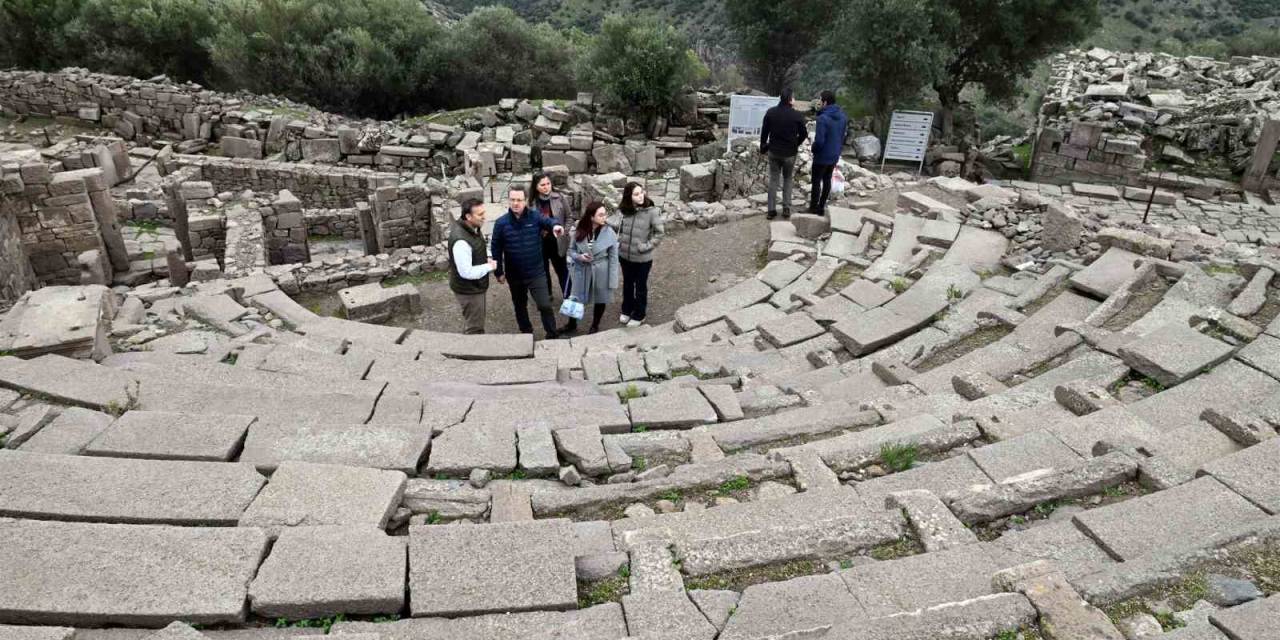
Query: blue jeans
[{"x": 635, "y": 288}]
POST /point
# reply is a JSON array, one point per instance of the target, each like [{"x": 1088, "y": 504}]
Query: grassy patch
[
  {"x": 898, "y": 457},
  {"x": 638, "y": 463},
  {"x": 144, "y": 227},
  {"x": 843, "y": 277},
  {"x": 739, "y": 579},
  {"x": 1025, "y": 633},
  {"x": 311, "y": 623},
  {"x": 148, "y": 255},
  {"x": 1147, "y": 381},
  {"x": 728, "y": 487},
  {"x": 629, "y": 393},
  {"x": 610, "y": 589},
  {"x": 899, "y": 285},
  {"x": 954, "y": 293},
  {"x": 1179, "y": 596},
  {"x": 1213, "y": 269},
  {"x": 900, "y": 548}
]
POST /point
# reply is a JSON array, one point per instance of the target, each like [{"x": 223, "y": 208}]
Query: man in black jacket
[{"x": 781, "y": 136}]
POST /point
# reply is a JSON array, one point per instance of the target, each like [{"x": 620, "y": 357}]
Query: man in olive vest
[{"x": 469, "y": 264}]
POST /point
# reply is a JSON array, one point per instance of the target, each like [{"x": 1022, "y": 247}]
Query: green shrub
[
  {"x": 35, "y": 33},
  {"x": 640, "y": 64},
  {"x": 144, "y": 38}
]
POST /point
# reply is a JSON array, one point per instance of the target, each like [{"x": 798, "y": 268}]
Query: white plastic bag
[{"x": 837, "y": 181}]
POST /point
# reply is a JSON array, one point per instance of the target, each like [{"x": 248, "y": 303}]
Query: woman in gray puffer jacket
[{"x": 638, "y": 223}]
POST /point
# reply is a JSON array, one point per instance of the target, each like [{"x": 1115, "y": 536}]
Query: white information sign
[
  {"x": 908, "y": 137},
  {"x": 746, "y": 116}
]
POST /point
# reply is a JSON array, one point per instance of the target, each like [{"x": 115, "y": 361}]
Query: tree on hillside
[
  {"x": 996, "y": 43},
  {"x": 369, "y": 57},
  {"x": 493, "y": 54},
  {"x": 774, "y": 36},
  {"x": 33, "y": 33},
  {"x": 886, "y": 48},
  {"x": 640, "y": 64},
  {"x": 144, "y": 38}
]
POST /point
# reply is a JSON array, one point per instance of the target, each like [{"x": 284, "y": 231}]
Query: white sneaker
[
  {"x": 635, "y": 323},
  {"x": 624, "y": 319}
]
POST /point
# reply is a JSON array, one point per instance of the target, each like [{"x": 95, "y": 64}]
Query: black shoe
[
  {"x": 554, "y": 335},
  {"x": 593, "y": 329},
  {"x": 567, "y": 330},
  {"x": 771, "y": 215},
  {"x": 786, "y": 214}
]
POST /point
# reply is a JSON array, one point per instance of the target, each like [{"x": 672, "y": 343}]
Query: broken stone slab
[
  {"x": 811, "y": 474},
  {"x": 474, "y": 444},
  {"x": 1062, "y": 611},
  {"x": 584, "y": 448},
  {"x": 1082, "y": 398},
  {"x": 447, "y": 499},
  {"x": 471, "y": 347},
  {"x": 676, "y": 409},
  {"x": 1034, "y": 451},
  {"x": 68, "y": 433},
  {"x": 132, "y": 575},
  {"x": 939, "y": 233},
  {"x": 855, "y": 450},
  {"x": 689, "y": 477},
  {"x": 1262, "y": 354},
  {"x": 69, "y": 320},
  {"x": 449, "y": 370},
  {"x": 631, "y": 367},
  {"x": 792, "y": 329},
  {"x": 780, "y": 273},
  {"x": 665, "y": 615},
  {"x": 510, "y": 502},
  {"x": 916, "y": 202},
  {"x": 1212, "y": 318},
  {"x": 219, "y": 312},
  {"x": 715, "y": 307},
  {"x": 724, "y": 401},
  {"x": 972, "y": 385},
  {"x": 305, "y": 494},
  {"x": 716, "y": 605},
  {"x": 355, "y": 332},
  {"x": 279, "y": 304},
  {"x": 1250, "y": 299},
  {"x": 163, "y": 435},
  {"x": 398, "y": 447},
  {"x": 796, "y": 423},
  {"x": 601, "y": 621},
  {"x": 1252, "y": 473},
  {"x": 1251, "y": 621},
  {"x": 1104, "y": 275},
  {"x": 1184, "y": 515},
  {"x": 983, "y": 503},
  {"x": 1059, "y": 542},
  {"x": 934, "y": 524},
  {"x": 923, "y": 580},
  {"x": 1244, "y": 428},
  {"x": 1136, "y": 242},
  {"x": 1174, "y": 354},
  {"x": 653, "y": 569},
  {"x": 527, "y": 403},
  {"x": 314, "y": 572},
  {"x": 981, "y": 617},
  {"x": 602, "y": 368},
  {"x": 1100, "y": 191},
  {"x": 70, "y": 381},
  {"x": 16, "y": 632},
  {"x": 507, "y": 567},
  {"x": 536, "y": 450},
  {"x": 63, "y": 487},
  {"x": 801, "y": 607}
]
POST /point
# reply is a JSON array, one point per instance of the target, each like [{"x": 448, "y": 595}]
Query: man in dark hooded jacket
[
  {"x": 781, "y": 135},
  {"x": 828, "y": 142}
]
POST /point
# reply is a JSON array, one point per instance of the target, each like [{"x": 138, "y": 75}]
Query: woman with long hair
[
  {"x": 550, "y": 204},
  {"x": 594, "y": 269},
  {"x": 639, "y": 226}
]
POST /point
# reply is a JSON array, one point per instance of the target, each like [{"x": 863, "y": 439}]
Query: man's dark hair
[
  {"x": 469, "y": 205},
  {"x": 828, "y": 97},
  {"x": 519, "y": 187},
  {"x": 786, "y": 96}
]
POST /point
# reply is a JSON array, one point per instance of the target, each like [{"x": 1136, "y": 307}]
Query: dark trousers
[
  {"x": 821, "y": 188},
  {"x": 538, "y": 288},
  {"x": 781, "y": 168},
  {"x": 635, "y": 288},
  {"x": 551, "y": 249}
]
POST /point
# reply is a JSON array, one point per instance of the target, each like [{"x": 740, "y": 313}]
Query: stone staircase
[{"x": 894, "y": 442}]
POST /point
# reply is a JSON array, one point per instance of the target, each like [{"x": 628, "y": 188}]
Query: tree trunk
[{"x": 950, "y": 99}]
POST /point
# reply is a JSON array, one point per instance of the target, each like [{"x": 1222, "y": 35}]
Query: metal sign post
[
  {"x": 908, "y": 138},
  {"x": 746, "y": 116}
]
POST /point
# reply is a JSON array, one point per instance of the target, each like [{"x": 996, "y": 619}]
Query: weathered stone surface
[
  {"x": 305, "y": 494},
  {"x": 792, "y": 329},
  {"x": 474, "y": 445},
  {"x": 517, "y": 566},
  {"x": 1188, "y": 514},
  {"x": 716, "y": 605},
  {"x": 913, "y": 582},
  {"x": 653, "y": 569},
  {"x": 1253, "y": 473},
  {"x": 49, "y": 486},
  {"x": 796, "y": 423},
  {"x": 676, "y": 409},
  {"x": 982, "y": 503},
  {"x": 495, "y": 346},
  {"x": 715, "y": 307},
  {"x": 1062, "y": 228},
  {"x": 780, "y": 273},
  {"x": 172, "y": 436},
  {"x": 807, "y": 605},
  {"x": 601, "y": 622},
  {"x": 1245, "y": 429},
  {"x": 665, "y": 615},
  {"x": 982, "y": 617},
  {"x": 584, "y": 448},
  {"x": 536, "y": 450},
  {"x": 138, "y": 575},
  {"x": 862, "y": 448},
  {"x": 440, "y": 369},
  {"x": 1254, "y": 295},
  {"x": 866, "y": 293},
  {"x": 382, "y": 446},
  {"x": 1060, "y": 542},
  {"x": 448, "y": 499},
  {"x": 314, "y": 572},
  {"x": 748, "y": 319},
  {"x": 1102, "y": 277},
  {"x": 1017, "y": 456},
  {"x": 68, "y": 433},
  {"x": 1175, "y": 353},
  {"x": 935, "y": 526},
  {"x": 15, "y": 632},
  {"x": 723, "y": 400},
  {"x": 1063, "y": 613},
  {"x": 69, "y": 381},
  {"x": 602, "y": 368}
]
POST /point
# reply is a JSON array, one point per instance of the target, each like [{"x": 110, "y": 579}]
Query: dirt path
[{"x": 684, "y": 266}]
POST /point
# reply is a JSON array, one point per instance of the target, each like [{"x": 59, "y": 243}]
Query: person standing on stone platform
[
  {"x": 781, "y": 135},
  {"x": 828, "y": 142},
  {"x": 517, "y": 246},
  {"x": 638, "y": 224},
  {"x": 551, "y": 204},
  {"x": 595, "y": 267},
  {"x": 470, "y": 265}
]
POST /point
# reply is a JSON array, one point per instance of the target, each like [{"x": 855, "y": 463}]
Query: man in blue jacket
[
  {"x": 828, "y": 142},
  {"x": 517, "y": 247}
]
